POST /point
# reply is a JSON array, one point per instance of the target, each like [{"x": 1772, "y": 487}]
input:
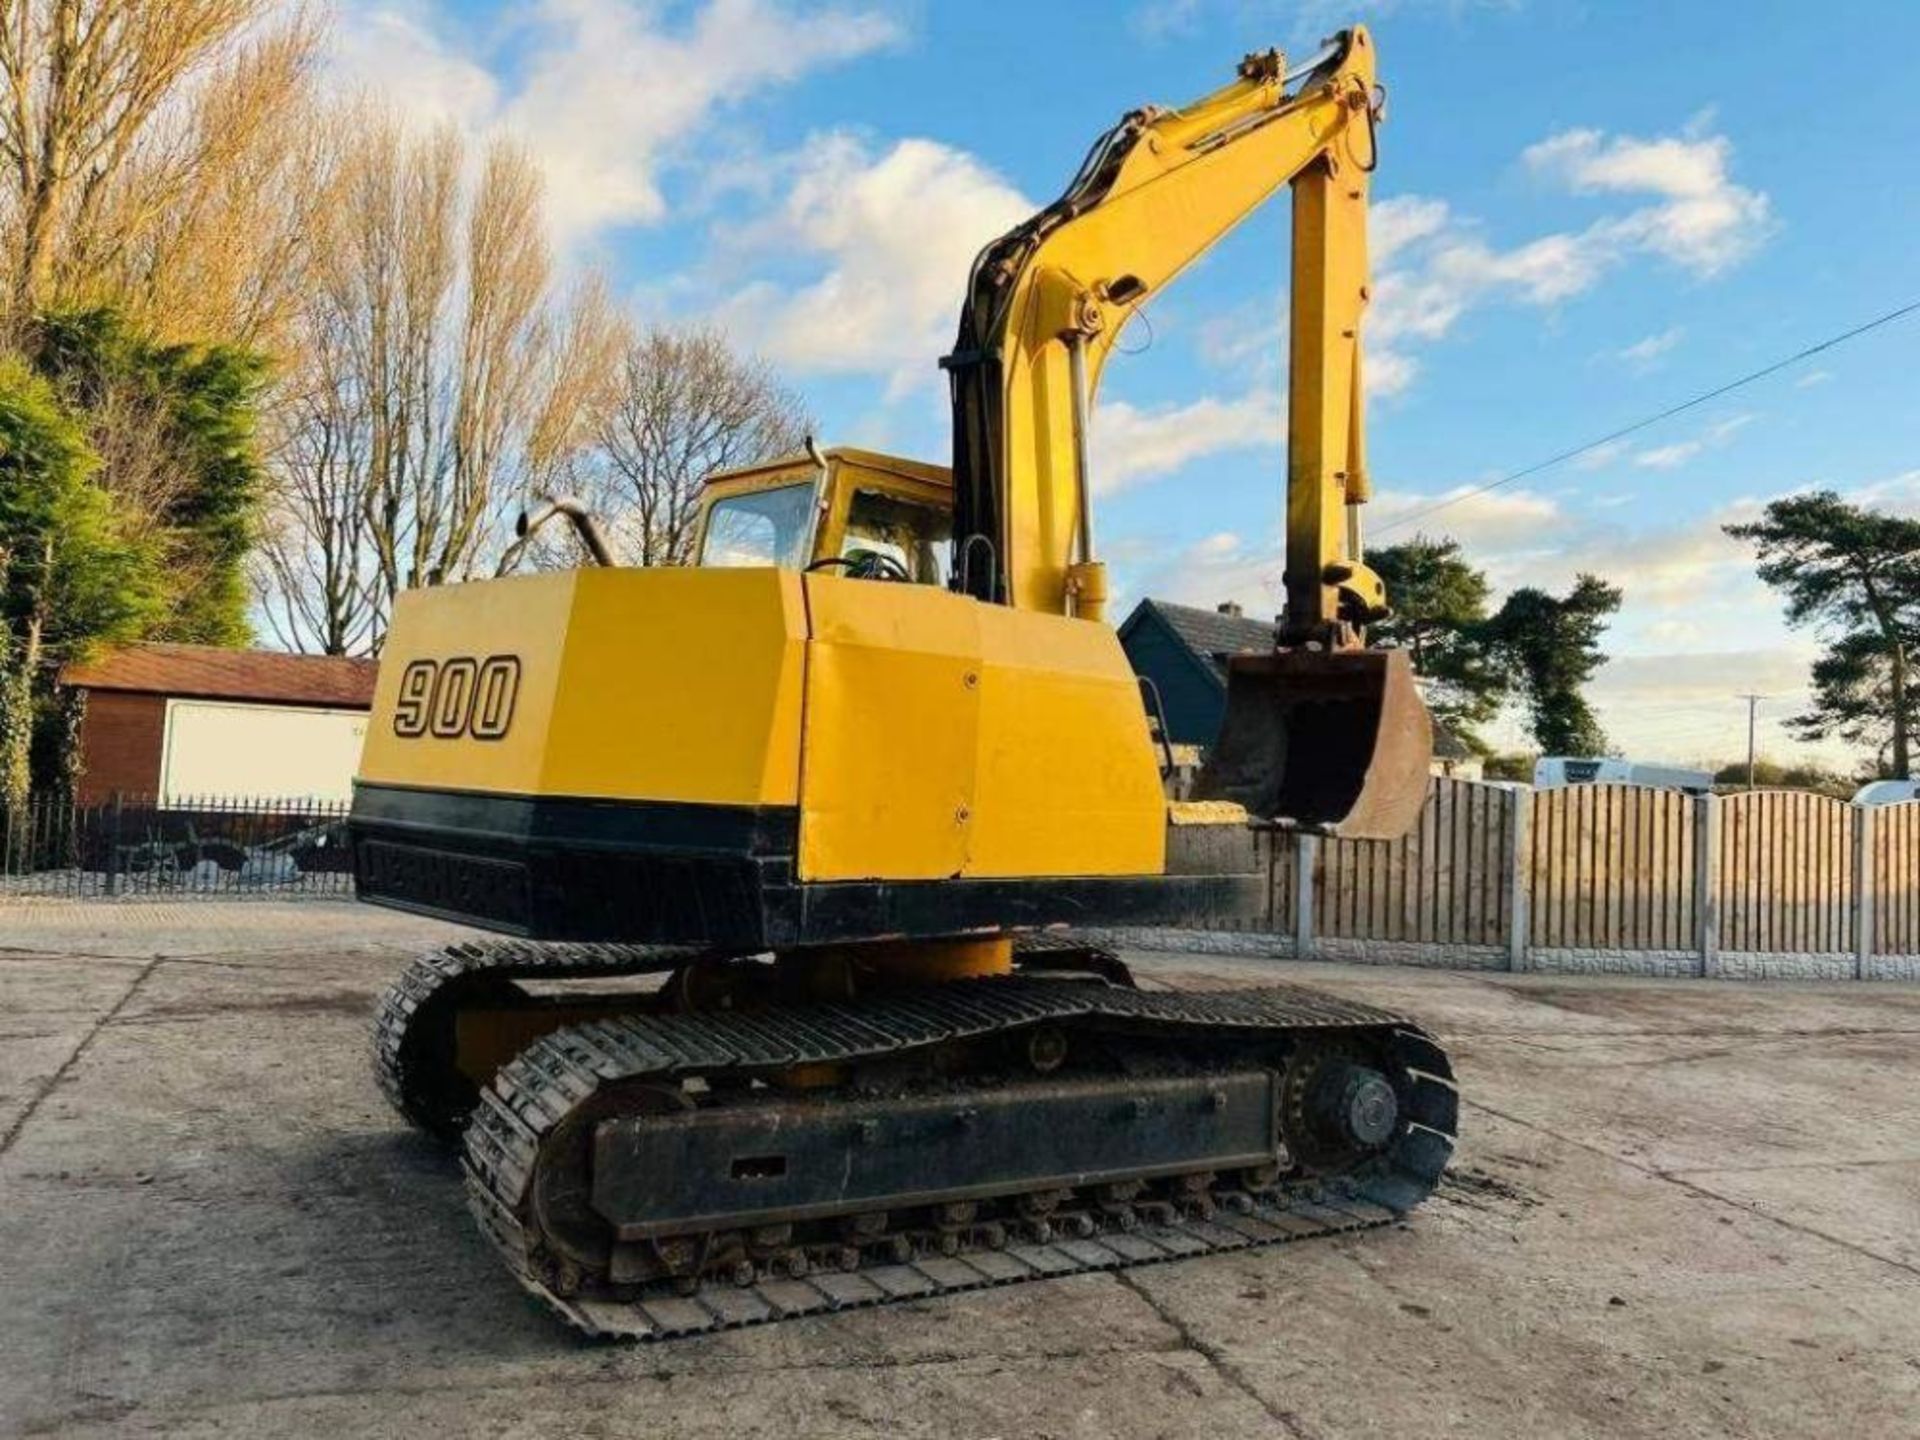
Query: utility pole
[{"x": 1753, "y": 710}]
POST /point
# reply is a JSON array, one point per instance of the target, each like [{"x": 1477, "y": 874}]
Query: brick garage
[{"x": 146, "y": 703}]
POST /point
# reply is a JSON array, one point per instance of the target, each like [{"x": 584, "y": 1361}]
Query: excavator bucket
[{"x": 1334, "y": 741}]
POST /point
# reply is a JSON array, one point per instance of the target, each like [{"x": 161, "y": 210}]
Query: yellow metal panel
[
  {"x": 525, "y": 616},
  {"x": 682, "y": 685},
  {"x": 667, "y": 684},
  {"x": 1068, "y": 783},
  {"x": 892, "y": 717},
  {"x": 949, "y": 738}
]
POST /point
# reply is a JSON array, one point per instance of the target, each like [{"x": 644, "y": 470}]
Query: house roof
[
  {"x": 210, "y": 672},
  {"x": 1209, "y": 634}
]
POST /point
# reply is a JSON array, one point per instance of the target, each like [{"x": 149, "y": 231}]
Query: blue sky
[{"x": 1584, "y": 212}]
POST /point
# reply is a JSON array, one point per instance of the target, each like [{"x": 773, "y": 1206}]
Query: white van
[
  {"x": 1887, "y": 792},
  {"x": 1551, "y": 772}
]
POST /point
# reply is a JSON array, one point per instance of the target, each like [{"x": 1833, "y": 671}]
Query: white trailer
[
  {"x": 1887, "y": 792},
  {"x": 1551, "y": 772}
]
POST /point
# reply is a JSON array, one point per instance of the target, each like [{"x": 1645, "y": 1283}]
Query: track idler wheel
[
  {"x": 1337, "y": 1109},
  {"x": 1353, "y": 1106}
]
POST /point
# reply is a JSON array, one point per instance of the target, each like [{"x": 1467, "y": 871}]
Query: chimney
[{"x": 1229, "y": 607}]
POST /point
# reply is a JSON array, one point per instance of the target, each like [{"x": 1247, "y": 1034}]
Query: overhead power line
[{"x": 1672, "y": 410}]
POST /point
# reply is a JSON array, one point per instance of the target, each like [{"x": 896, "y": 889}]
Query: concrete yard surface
[{"x": 1679, "y": 1208}]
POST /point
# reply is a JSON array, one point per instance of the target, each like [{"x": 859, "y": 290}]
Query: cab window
[
  {"x": 763, "y": 527},
  {"x": 912, "y": 535}
]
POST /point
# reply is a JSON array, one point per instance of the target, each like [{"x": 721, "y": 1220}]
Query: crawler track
[
  {"x": 412, "y": 1032},
  {"x": 412, "y": 1035},
  {"x": 517, "y": 1126}
]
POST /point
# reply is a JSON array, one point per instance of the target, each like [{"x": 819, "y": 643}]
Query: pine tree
[
  {"x": 1852, "y": 573},
  {"x": 1439, "y": 618},
  {"x": 1553, "y": 645}
]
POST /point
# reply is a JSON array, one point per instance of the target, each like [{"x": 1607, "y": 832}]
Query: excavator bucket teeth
[{"x": 1332, "y": 741}]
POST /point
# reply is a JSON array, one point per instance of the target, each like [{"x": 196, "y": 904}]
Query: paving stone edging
[
  {"x": 136, "y": 929},
  {"x": 1670, "y": 964}
]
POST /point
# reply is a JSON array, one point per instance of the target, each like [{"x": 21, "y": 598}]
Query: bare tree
[
  {"x": 149, "y": 154},
  {"x": 687, "y": 406},
  {"x": 207, "y": 237},
  {"x": 442, "y": 378},
  {"x": 312, "y": 570}
]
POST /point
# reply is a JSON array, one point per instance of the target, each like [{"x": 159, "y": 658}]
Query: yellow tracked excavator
[{"x": 798, "y": 843}]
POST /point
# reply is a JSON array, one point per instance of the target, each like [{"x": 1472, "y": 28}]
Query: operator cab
[{"x": 863, "y": 514}]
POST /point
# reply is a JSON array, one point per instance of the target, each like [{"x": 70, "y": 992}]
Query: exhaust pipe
[{"x": 584, "y": 525}]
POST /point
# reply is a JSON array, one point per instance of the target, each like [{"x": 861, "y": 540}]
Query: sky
[{"x": 1584, "y": 213}]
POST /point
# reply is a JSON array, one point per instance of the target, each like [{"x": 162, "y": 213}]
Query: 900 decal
[{"x": 458, "y": 697}]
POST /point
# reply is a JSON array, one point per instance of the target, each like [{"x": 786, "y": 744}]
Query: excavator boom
[{"x": 1045, "y": 305}]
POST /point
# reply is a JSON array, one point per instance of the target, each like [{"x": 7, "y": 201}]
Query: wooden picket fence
[
  {"x": 1445, "y": 883},
  {"x": 1893, "y": 873},
  {"x": 1617, "y": 868},
  {"x": 1612, "y": 867},
  {"x": 1787, "y": 871}
]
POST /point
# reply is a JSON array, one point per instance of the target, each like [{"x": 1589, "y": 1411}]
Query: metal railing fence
[{"x": 174, "y": 846}]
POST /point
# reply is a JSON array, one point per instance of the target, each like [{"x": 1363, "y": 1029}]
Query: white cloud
[
  {"x": 1389, "y": 371},
  {"x": 1697, "y": 626},
  {"x": 1433, "y": 266},
  {"x": 1813, "y": 378},
  {"x": 604, "y": 93},
  {"x": 1710, "y": 676},
  {"x": 1160, "y": 19},
  {"x": 396, "y": 54},
  {"x": 1308, "y": 20},
  {"x": 1482, "y": 520},
  {"x": 1898, "y": 493},
  {"x": 1131, "y": 444},
  {"x": 1704, "y": 221},
  {"x": 1689, "y": 591},
  {"x": 611, "y": 87},
  {"x": 1668, "y": 457},
  {"x": 1673, "y": 456},
  {"x": 896, "y": 233},
  {"x": 1601, "y": 456},
  {"x": 1253, "y": 330},
  {"x": 1219, "y": 545},
  {"x": 1642, "y": 354},
  {"x": 1397, "y": 222},
  {"x": 1217, "y": 569},
  {"x": 1686, "y": 707}
]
